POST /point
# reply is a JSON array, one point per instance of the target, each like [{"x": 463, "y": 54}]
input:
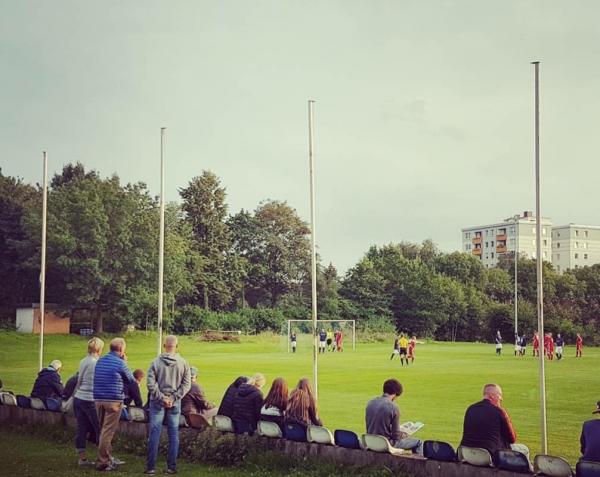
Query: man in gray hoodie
[{"x": 168, "y": 381}]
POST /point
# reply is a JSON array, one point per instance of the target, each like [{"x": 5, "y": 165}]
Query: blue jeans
[
  {"x": 410, "y": 443},
  {"x": 155, "y": 422},
  {"x": 88, "y": 426}
]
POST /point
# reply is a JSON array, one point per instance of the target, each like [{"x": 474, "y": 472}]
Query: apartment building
[
  {"x": 490, "y": 242},
  {"x": 575, "y": 246}
]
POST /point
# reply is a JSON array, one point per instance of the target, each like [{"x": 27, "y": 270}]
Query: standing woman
[
  {"x": 83, "y": 403},
  {"x": 302, "y": 406}
]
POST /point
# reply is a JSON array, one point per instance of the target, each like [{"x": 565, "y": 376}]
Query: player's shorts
[
  {"x": 321, "y": 344},
  {"x": 293, "y": 344},
  {"x": 499, "y": 346},
  {"x": 559, "y": 350},
  {"x": 402, "y": 351},
  {"x": 328, "y": 341},
  {"x": 396, "y": 351}
]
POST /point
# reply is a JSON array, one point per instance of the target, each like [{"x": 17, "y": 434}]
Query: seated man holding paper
[{"x": 383, "y": 418}]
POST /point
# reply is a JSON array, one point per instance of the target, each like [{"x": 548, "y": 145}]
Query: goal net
[{"x": 304, "y": 331}]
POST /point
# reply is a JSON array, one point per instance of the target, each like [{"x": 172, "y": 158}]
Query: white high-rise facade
[
  {"x": 490, "y": 242},
  {"x": 575, "y": 246}
]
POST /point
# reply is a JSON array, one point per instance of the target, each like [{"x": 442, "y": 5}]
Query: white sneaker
[{"x": 116, "y": 461}]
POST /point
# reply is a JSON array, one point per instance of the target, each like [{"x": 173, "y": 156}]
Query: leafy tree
[
  {"x": 274, "y": 243},
  {"x": 206, "y": 210},
  {"x": 19, "y": 283}
]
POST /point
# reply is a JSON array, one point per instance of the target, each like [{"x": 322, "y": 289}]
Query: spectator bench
[{"x": 414, "y": 465}]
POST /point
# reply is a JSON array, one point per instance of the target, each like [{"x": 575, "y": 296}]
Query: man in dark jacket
[
  {"x": 133, "y": 396},
  {"x": 590, "y": 438},
  {"x": 247, "y": 404},
  {"x": 488, "y": 425},
  {"x": 226, "y": 407},
  {"x": 48, "y": 384},
  {"x": 70, "y": 386}
]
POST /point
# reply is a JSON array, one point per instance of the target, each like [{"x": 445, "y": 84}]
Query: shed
[{"x": 57, "y": 320}]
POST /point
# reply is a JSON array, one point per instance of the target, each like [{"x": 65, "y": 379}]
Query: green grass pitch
[{"x": 444, "y": 380}]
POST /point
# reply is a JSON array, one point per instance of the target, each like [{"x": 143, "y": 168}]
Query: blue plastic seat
[
  {"x": 512, "y": 461},
  {"x": 347, "y": 439},
  {"x": 53, "y": 404},
  {"x": 438, "y": 450},
  {"x": 295, "y": 432},
  {"x": 586, "y": 468},
  {"x": 23, "y": 401}
]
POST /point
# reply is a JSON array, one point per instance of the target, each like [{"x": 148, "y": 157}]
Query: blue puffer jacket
[{"x": 110, "y": 376}]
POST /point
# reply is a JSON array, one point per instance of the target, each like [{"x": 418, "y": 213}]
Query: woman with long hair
[
  {"x": 273, "y": 409},
  {"x": 302, "y": 405}
]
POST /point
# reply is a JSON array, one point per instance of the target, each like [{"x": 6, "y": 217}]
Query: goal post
[{"x": 289, "y": 329}]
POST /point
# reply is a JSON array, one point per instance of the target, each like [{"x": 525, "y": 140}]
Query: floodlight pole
[
  {"x": 313, "y": 269},
  {"x": 161, "y": 239},
  {"x": 540, "y": 287},
  {"x": 516, "y": 257},
  {"x": 43, "y": 259}
]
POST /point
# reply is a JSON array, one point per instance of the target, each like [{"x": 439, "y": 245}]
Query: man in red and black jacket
[{"x": 488, "y": 425}]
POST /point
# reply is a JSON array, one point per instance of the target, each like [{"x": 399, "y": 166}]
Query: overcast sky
[{"x": 424, "y": 113}]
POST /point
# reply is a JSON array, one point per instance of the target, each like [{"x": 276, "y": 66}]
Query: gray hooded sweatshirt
[{"x": 169, "y": 376}]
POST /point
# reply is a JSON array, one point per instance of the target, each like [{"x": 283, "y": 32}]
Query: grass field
[{"x": 444, "y": 380}]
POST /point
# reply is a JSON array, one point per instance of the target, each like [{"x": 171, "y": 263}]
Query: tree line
[{"x": 250, "y": 270}]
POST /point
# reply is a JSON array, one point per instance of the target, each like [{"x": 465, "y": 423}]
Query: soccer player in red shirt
[
  {"x": 411, "y": 348},
  {"x": 338, "y": 340},
  {"x": 578, "y": 346},
  {"x": 550, "y": 347},
  {"x": 536, "y": 344}
]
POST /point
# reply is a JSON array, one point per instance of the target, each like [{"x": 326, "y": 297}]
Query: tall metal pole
[
  {"x": 516, "y": 257},
  {"x": 161, "y": 239},
  {"x": 538, "y": 243},
  {"x": 313, "y": 269},
  {"x": 43, "y": 260}
]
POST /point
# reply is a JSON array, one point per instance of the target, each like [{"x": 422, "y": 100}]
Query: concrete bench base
[{"x": 413, "y": 465}]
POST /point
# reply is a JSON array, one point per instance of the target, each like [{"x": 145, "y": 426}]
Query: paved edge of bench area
[{"x": 416, "y": 466}]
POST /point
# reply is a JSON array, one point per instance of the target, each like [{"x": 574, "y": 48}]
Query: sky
[{"x": 423, "y": 116}]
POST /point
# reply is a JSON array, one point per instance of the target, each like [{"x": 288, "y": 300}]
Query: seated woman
[
  {"x": 247, "y": 404},
  {"x": 48, "y": 383},
  {"x": 273, "y": 409},
  {"x": 226, "y": 407},
  {"x": 195, "y": 402},
  {"x": 302, "y": 406}
]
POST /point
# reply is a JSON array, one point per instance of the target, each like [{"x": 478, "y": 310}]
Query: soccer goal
[{"x": 307, "y": 325}]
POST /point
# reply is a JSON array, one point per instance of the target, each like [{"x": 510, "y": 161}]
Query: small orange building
[{"x": 56, "y": 320}]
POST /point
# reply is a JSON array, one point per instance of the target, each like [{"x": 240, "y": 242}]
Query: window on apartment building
[
  {"x": 557, "y": 244},
  {"x": 577, "y": 233},
  {"x": 543, "y": 230},
  {"x": 585, "y": 256},
  {"x": 545, "y": 255},
  {"x": 576, "y": 245},
  {"x": 576, "y": 255},
  {"x": 545, "y": 242},
  {"x": 584, "y": 244},
  {"x": 585, "y": 233},
  {"x": 558, "y": 233},
  {"x": 486, "y": 245},
  {"x": 487, "y": 256},
  {"x": 512, "y": 230},
  {"x": 492, "y": 243}
]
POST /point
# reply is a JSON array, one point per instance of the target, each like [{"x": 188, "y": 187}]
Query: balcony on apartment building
[
  {"x": 476, "y": 240},
  {"x": 501, "y": 248},
  {"x": 501, "y": 237},
  {"x": 476, "y": 251}
]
